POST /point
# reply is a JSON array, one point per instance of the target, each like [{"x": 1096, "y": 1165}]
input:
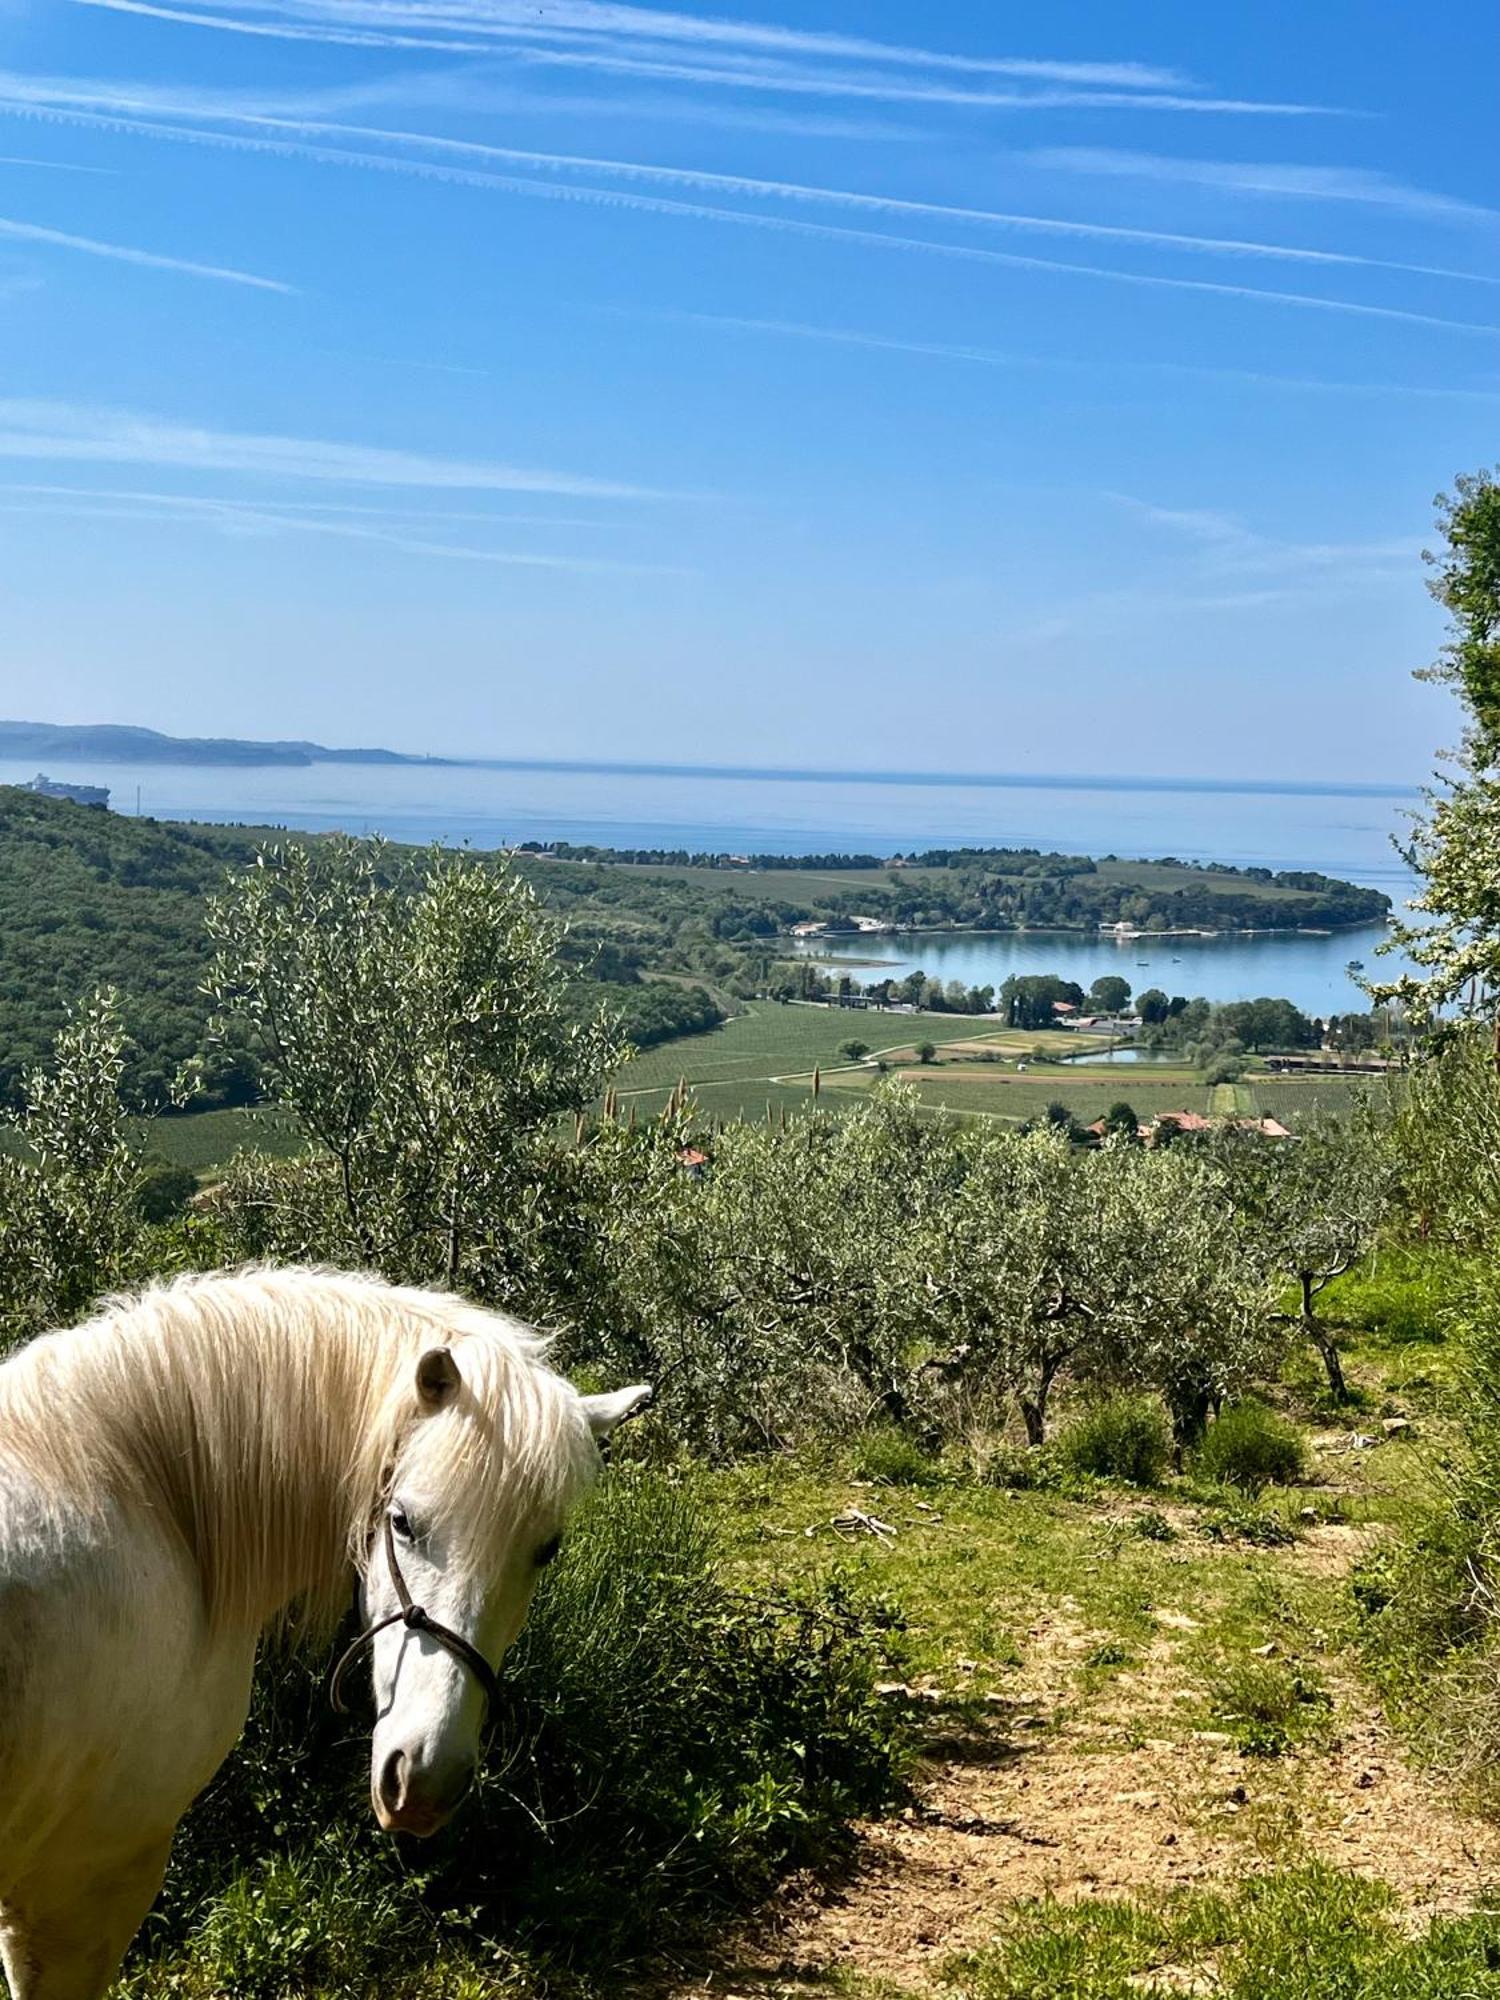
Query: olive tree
[
  {"x": 414, "y": 1017},
  {"x": 1314, "y": 1206},
  {"x": 1187, "y": 1307},
  {"x": 1012, "y": 1280},
  {"x": 69, "y": 1224}
]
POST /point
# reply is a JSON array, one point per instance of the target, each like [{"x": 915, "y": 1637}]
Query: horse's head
[{"x": 482, "y": 1484}]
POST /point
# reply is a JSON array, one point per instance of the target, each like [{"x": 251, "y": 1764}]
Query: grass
[
  {"x": 767, "y": 1054},
  {"x": 204, "y": 1140},
  {"x": 980, "y": 1571},
  {"x": 1298, "y": 1098},
  {"x": 1309, "y": 1933},
  {"x": 1080, "y": 1622},
  {"x": 1087, "y": 1096}
]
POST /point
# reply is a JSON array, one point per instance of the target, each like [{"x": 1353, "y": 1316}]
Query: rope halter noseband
[{"x": 415, "y": 1619}]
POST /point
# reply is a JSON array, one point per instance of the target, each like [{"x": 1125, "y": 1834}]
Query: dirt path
[{"x": 1043, "y": 1795}]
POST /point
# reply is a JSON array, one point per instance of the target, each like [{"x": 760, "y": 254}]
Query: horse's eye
[
  {"x": 401, "y": 1525},
  {"x": 548, "y": 1552}
]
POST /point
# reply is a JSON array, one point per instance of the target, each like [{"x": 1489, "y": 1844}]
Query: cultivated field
[
  {"x": 772, "y": 1049},
  {"x": 766, "y": 1056}
]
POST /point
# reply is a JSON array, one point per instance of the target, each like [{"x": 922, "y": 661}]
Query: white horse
[{"x": 216, "y": 1457}]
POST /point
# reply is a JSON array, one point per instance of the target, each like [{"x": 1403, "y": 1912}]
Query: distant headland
[{"x": 122, "y": 743}]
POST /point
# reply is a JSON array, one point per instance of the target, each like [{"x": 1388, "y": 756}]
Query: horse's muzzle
[{"x": 407, "y": 1800}]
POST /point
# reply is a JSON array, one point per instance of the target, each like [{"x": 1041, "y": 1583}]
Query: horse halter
[{"x": 415, "y": 1619}]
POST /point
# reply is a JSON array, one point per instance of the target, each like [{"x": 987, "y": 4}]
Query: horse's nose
[
  {"x": 410, "y": 1800},
  {"x": 390, "y": 1791}
]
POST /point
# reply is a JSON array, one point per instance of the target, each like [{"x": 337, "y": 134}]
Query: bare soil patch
[{"x": 1035, "y": 1793}]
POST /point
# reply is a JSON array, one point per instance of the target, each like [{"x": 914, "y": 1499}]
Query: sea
[{"x": 1349, "y": 831}]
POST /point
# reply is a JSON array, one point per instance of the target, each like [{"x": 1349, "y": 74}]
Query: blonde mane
[{"x": 259, "y": 1416}]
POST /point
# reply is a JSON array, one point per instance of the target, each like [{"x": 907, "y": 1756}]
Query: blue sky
[{"x": 1043, "y": 389}]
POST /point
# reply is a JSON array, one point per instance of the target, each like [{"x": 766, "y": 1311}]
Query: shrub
[
  {"x": 1022, "y": 1468},
  {"x": 1153, "y": 1526},
  {"x": 1250, "y": 1446},
  {"x": 667, "y": 1747},
  {"x": 164, "y": 1191},
  {"x": 1233, "y": 1518},
  {"x": 1120, "y": 1437},
  {"x": 891, "y": 1458}
]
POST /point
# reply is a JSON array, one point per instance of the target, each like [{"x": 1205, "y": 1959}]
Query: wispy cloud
[
  {"x": 276, "y": 136},
  {"x": 413, "y": 514},
  {"x": 1227, "y": 548},
  {"x": 991, "y": 357},
  {"x": 844, "y": 337},
  {"x": 36, "y": 429},
  {"x": 243, "y": 519},
  {"x": 52, "y": 166},
  {"x": 1263, "y": 177},
  {"x": 121, "y": 253},
  {"x": 584, "y": 18},
  {"x": 797, "y": 193},
  {"x": 628, "y": 41}
]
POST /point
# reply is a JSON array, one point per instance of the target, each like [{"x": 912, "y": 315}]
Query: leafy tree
[
  {"x": 1110, "y": 994},
  {"x": 926, "y": 1052},
  {"x": 1121, "y": 1120},
  {"x": 1185, "y": 1308},
  {"x": 69, "y": 1224},
  {"x": 413, "y": 1015},
  {"x": 1456, "y": 848},
  {"x": 164, "y": 1191},
  {"x": 1152, "y": 1006},
  {"x": 1318, "y": 1205},
  {"x": 854, "y": 1050},
  {"x": 1027, "y": 1000}
]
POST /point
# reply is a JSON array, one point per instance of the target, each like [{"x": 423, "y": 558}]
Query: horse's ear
[
  {"x": 607, "y": 1413},
  {"x": 437, "y": 1378}
]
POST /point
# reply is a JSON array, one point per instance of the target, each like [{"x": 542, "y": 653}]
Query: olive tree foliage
[
  {"x": 1116, "y": 1265},
  {"x": 1316, "y": 1206},
  {"x": 1455, "y": 937},
  {"x": 1190, "y": 1309},
  {"x": 412, "y": 1015},
  {"x": 768, "y": 1297},
  {"x": 69, "y": 1225},
  {"x": 886, "y": 1266},
  {"x": 1447, "y": 1136}
]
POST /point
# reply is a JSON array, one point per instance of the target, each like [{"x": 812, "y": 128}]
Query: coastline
[{"x": 1103, "y": 934}]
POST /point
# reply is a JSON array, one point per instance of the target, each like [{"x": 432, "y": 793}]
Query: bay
[
  {"x": 1307, "y": 969},
  {"x": 1346, "y": 831}
]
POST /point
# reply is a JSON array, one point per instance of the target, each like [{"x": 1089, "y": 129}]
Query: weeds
[
  {"x": 1250, "y": 1446},
  {"x": 1120, "y": 1437},
  {"x": 890, "y": 1458},
  {"x": 1268, "y": 1706}
]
